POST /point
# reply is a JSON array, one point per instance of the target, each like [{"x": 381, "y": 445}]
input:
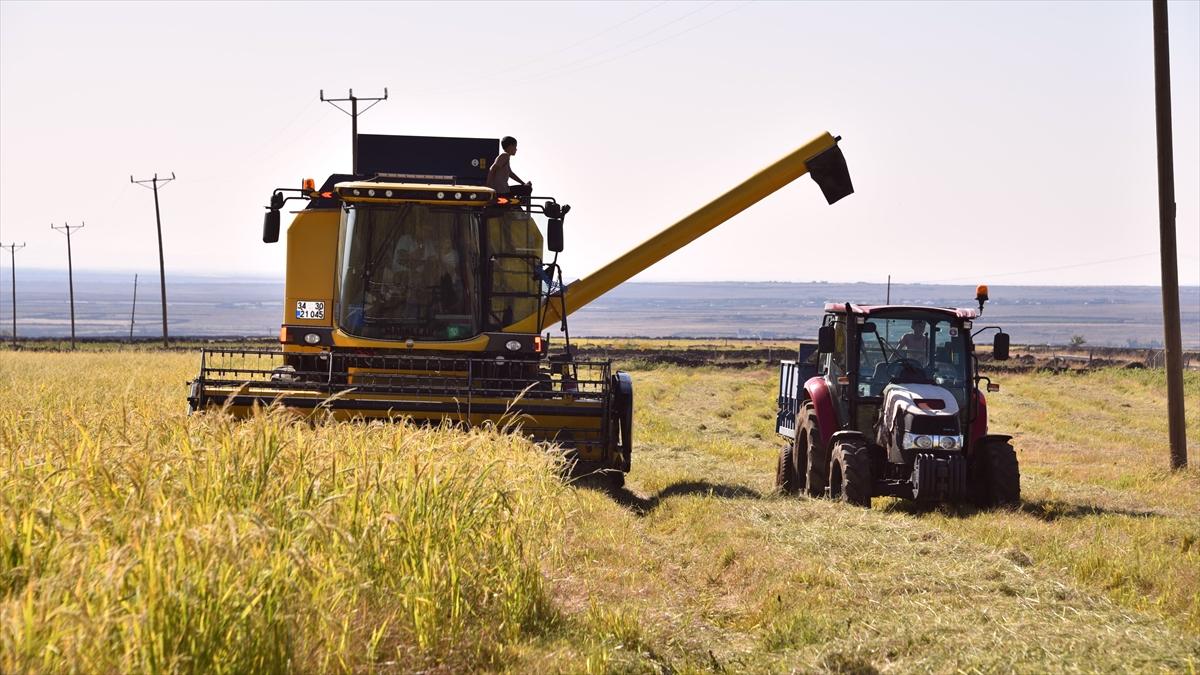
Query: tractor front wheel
[
  {"x": 785, "y": 473},
  {"x": 997, "y": 477},
  {"x": 850, "y": 473},
  {"x": 810, "y": 455}
]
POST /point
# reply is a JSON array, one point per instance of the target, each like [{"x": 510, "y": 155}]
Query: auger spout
[{"x": 820, "y": 157}]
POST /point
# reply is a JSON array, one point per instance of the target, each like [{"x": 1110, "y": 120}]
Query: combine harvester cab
[
  {"x": 889, "y": 405},
  {"x": 414, "y": 292}
]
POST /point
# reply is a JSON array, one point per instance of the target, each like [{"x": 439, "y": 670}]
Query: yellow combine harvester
[{"x": 414, "y": 292}]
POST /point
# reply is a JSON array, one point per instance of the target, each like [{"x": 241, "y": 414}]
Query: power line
[
  {"x": 12, "y": 252},
  {"x": 568, "y": 71},
  {"x": 162, "y": 268},
  {"x": 66, "y": 229},
  {"x": 1043, "y": 269},
  {"x": 566, "y": 48},
  {"x": 565, "y": 68},
  {"x": 354, "y": 112}
]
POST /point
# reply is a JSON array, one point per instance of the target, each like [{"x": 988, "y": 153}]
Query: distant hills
[{"x": 1122, "y": 316}]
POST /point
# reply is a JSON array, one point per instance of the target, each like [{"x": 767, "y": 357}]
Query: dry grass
[{"x": 135, "y": 538}]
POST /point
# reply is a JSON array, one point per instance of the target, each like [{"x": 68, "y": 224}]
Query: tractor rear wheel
[
  {"x": 997, "y": 476},
  {"x": 850, "y": 473},
  {"x": 810, "y": 455},
  {"x": 785, "y": 473}
]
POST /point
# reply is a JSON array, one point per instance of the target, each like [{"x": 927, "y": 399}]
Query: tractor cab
[{"x": 895, "y": 389}]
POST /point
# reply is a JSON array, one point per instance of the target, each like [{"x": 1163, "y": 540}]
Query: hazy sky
[{"x": 1007, "y": 143}]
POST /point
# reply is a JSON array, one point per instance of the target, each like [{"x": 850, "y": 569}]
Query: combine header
[{"x": 414, "y": 292}]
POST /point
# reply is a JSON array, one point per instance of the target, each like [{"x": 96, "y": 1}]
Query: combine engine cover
[{"x": 919, "y": 427}]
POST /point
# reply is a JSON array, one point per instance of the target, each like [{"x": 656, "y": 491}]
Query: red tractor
[{"x": 889, "y": 404}]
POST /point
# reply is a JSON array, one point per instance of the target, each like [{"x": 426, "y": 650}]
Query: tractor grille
[{"x": 933, "y": 425}]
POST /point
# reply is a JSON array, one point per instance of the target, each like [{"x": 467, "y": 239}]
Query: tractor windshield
[
  {"x": 925, "y": 350},
  {"x": 409, "y": 271}
]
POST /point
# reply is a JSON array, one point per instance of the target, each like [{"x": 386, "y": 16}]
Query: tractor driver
[
  {"x": 501, "y": 171},
  {"x": 915, "y": 345}
]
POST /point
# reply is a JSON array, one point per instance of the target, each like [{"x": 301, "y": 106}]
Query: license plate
[{"x": 310, "y": 309}]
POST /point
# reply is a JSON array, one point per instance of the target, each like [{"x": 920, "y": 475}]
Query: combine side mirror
[
  {"x": 554, "y": 235},
  {"x": 271, "y": 227},
  {"x": 1000, "y": 347},
  {"x": 826, "y": 340}
]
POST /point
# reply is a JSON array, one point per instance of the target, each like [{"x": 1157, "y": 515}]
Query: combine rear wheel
[
  {"x": 810, "y": 457},
  {"x": 997, "y": 477},
  {"x": 785, "y": 473},
  {"x": 850, "y": 473}
]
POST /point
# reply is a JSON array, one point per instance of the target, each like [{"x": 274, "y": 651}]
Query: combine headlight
[
  {"x": 441, "y": 195},
  {"x": 370, "y": 193},
  {"x": 923, "y": 442},
  {"x": 312, "y": 338},
  {"x": 388, "y": 193},
  {"x": 949, "y": 442},
  {"x": 513, "y": 345},
  {"x": 458, "y": 195}
]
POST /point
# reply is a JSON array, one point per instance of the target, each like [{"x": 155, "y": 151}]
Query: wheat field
[{"x": 134, "y": 538}]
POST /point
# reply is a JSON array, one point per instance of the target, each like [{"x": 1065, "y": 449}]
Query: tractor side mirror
[
  {"x": 554, "y": 235},
  {"x": 271, "y": 227},
  {"x": 826, "y": 340},
  {"x": 1000, "y": 347}
]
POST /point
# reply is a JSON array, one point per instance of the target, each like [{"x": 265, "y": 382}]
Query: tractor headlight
[
  {"x": 949, "y": 442},
  {"x": 922, "y": 441}
]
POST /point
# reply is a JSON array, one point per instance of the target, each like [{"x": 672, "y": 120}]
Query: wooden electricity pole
[
  {"x": 1166, "y": 234},
  {"x": 66, "y": 228},
  {"x": 133, "y": 309},
  {"x": 354, "y": 112},
  {"x": 12, "y": 253},
  {"x": 162, "y": 269}
]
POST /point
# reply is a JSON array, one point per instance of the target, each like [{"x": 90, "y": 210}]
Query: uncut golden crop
[{"x": 136, "y": 538}]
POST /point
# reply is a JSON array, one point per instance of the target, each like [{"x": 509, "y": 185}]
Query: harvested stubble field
[{"x": 134, "y": 538}]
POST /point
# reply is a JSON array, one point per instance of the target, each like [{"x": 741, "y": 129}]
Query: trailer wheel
[
  {"x": 785, "y": 473},
  {"x": 850, "y": 473},
  {"x": 811, "y": 459},
  {"x": 997, "y": 476}
]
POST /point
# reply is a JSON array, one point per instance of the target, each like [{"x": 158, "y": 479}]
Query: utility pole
[
  {"x": 354, "y": 112},
  {"x": 162, "y": 269},
  {"x": 133, "y": 311},
  {"x": 12, "y": 253},
  {"x": 1166, "y": 236},
  {"x": 66, "y": 228}
]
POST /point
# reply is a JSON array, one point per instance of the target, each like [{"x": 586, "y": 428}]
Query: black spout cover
[{"x": 829, "y": 170}]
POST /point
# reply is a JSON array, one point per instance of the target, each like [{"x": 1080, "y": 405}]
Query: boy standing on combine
[{"x": 501, "y": 171}]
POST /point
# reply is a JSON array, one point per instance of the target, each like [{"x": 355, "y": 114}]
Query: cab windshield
[
  {"x": 409, "y": 271},
  {"x": 926, "y": 350}
]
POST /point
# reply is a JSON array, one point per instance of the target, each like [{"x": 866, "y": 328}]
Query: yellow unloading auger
[
  {"x": 404, "y": 288},
  {"x": 821, "y": 157}
]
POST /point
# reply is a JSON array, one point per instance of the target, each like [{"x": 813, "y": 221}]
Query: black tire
[
  {"x": 785, "y": 473},
  {"x": 614, "y": 480},
  {"x": 810, "y": 455},
  {"x": 850, "y": 473},
  {"x": 996, "y": 474}
]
